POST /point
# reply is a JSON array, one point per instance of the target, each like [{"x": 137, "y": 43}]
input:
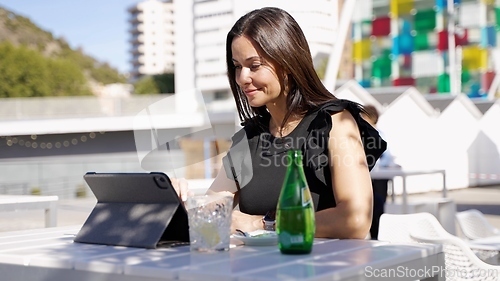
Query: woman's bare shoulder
[{"x": 343, "y": 122}]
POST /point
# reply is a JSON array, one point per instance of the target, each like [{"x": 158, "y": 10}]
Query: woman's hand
[
  {"x": 181, "y": 187},
  {"x": 245, "y": 222}
]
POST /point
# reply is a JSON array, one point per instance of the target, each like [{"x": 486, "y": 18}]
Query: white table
[
  {"x": 391, "y": 173},
  {"x": 30, "y": 202},
  {"x": 50, "y": 254}
]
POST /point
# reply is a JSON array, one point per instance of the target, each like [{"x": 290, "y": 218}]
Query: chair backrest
[
  {"x": 460, "y": 261},
  {"x": 474, "y": 225},
  {"x": 397, "y": 228}
]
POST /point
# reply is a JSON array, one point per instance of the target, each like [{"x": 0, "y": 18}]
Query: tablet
[{"x": 134, "y": 210}]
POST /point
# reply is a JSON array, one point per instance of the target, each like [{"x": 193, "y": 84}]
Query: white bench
[{"x": 30, "y": 202}]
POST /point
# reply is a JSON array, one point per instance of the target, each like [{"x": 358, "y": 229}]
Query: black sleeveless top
[{"x": 257, "y": 160}]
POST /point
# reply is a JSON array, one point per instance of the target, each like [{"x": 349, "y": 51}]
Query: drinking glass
[{"x": 209, "y": 222}]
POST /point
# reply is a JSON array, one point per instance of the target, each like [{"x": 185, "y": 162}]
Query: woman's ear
[{"x": 285, "y": 83}]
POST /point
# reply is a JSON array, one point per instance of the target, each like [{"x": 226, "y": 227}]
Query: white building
[
  {"x": 202, "y": 27},
  {"x": 152, "y": 37}
]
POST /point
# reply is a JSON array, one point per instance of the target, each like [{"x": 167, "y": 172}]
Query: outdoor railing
[{"x": 77, "y": 106}]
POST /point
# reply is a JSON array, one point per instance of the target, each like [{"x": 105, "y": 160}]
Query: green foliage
[
  {"x": 36, "y": 191},
  {"x": 81, "y": 191},
  {"x": 146, "y": 85},
  {"x": 156, "y": 84},
  {"x": 23, "y": 72},
  {"x": 100, "y": 72},
  {"x": 77, "y": 57},
  {"x": 34, "y": 63},
  {"x": 106, "y": 74},
  {"x": 321, "y": 68},
  {"x": 26, "y": 73},
  {"x": 67, "y": 78},
  {"x": 165, "y": 82}
]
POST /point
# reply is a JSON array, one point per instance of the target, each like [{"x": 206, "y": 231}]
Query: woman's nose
[{"x": 243, "y": 76}]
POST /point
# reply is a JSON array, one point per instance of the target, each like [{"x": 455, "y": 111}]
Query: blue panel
[
  {"x": 406, "y": 44},
  {"x": 442, "y": 4},
  {"x": 406, "y": 27},
  {"x": 395, "y": 46},
  {"x": 365, "y": 83},
  {"x": 488, "y": 37},
  {"x": 474, "y": 91}
]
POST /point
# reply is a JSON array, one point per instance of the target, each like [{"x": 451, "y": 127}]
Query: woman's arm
[
  {"x": 240, "y": 220},
  {"x": 351, "y": 183}
]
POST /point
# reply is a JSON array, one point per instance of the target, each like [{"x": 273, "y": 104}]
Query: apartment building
[
  {"x": 152, "y": 38},
  {"x": 188, "y": 37},
  {"x": 212, "y": 19}
]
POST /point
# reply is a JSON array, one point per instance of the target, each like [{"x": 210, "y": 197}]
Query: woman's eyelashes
[{"x": 254, "y": 66}]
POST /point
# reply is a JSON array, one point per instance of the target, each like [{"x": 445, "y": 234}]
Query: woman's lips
[{"x": 250, "y": 92}]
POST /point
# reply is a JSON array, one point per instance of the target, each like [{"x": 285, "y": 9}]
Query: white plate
[{"x": 258, "y": 238}]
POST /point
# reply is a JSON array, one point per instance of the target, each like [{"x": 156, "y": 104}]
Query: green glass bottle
[{"x": 295, "y": 222}]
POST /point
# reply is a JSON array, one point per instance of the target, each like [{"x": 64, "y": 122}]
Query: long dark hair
[{"x": 282, "y": 40}]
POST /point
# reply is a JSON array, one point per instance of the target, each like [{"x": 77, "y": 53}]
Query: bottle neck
[{"x": 295, "y": 157}]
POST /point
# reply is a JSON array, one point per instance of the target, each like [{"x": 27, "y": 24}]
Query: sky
[{"x": 99, "y": 27}]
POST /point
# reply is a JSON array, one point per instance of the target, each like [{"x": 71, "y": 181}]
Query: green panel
[
  {"x": 465, "y": 77},
  {"x": 443, "y": 85},
  {"x": 425, "y": 20},
  {"x": 381, "y": 71},
  {"x": 381, "y": 66},
  {"x": 497, "y": 16},
  {"x": 421, "y": 41}
]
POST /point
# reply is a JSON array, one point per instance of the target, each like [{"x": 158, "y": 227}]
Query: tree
[
  {"x": 146, "y": 85},
  {"x": 26, "y": 73},
  {"x": 67, "y": 78},
  {"x": 321, "y": 68},
  {"x": 20, "y": 31},
  {"x": 105, "y": 74},
  {"x": 165, "y": 82},
  {"x": 23, "y": 72},
  {"x": 155, "y": 84}
]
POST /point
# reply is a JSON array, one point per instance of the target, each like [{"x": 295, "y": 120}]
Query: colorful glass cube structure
[{"x": 407, "y": 42}]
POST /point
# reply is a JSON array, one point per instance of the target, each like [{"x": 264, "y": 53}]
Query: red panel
[
  {"x": 381, "y": 26},
  {"x": 461, "y": 37},
  {"x": 407, "y": 61},
  {"x": 404, "y": 81},
  {"x": 442, "y": 43},
  {"x": 486, "y": 80}
]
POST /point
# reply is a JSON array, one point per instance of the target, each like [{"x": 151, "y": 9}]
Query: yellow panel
[
  {"x": 362, "y": 50},
  {"x": 475, "y": 58},
  {"x": 483, "y": 61},
  {"x": 488, "y": 2},
  {"x": 401, "y": 7}
]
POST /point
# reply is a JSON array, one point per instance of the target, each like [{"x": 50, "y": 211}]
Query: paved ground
[{"x": 75, "y": 211}]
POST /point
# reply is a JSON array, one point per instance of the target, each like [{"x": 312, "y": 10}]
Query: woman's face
[{"x": 256, "y": 76}]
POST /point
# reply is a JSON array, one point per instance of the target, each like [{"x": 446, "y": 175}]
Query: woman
[{"x": 284, "y": 105}]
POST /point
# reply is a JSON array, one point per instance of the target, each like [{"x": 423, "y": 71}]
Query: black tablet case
[{"x": 134, "y": 210}]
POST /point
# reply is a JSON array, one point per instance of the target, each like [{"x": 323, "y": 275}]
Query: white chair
[
  {"x": 396, "y": 228},
  {"x": 460, "y": 261},
  {"x": 474, "y": 225}
]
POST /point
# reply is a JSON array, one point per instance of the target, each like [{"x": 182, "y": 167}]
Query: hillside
[{"x": 20, "y": 32}]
